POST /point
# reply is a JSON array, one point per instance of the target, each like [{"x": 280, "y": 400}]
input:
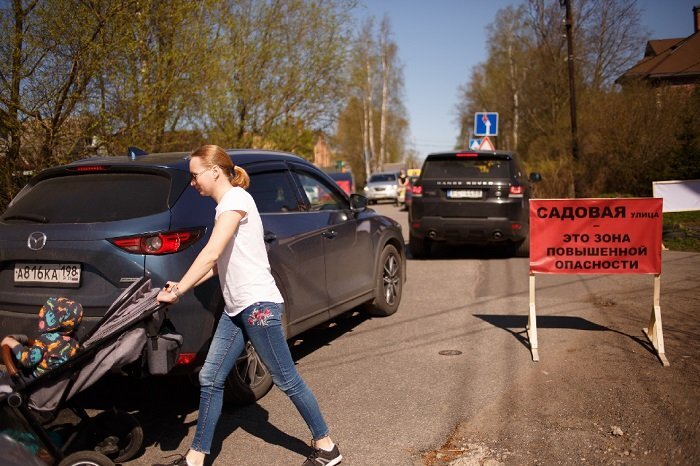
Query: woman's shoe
[{"x": 321, "y": 457}]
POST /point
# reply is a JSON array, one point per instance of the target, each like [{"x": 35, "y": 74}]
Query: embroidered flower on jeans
[{"x": 260, "y": 317}]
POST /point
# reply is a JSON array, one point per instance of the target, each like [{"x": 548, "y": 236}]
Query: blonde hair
[{"x": 213, "y": 155}]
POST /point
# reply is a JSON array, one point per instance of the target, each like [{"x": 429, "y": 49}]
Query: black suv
[
  {"x": 89, "y": 229},
  {"x": 470, "y": 197}
]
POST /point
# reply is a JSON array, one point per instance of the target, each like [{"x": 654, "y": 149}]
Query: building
[
  {"x": 322, "y": 153},
  {"x": 674, "y": 62}
]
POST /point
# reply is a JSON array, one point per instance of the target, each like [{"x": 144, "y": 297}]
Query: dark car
[
  {"x": 345, "y": 180},
  {"x": 89, "y": 229},
  {"x": 470, "y": 197}
]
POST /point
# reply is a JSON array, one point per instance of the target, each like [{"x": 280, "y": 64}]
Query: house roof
[
  {"x": 675, "y": 61},
  {"x": 655, "y": 47}
]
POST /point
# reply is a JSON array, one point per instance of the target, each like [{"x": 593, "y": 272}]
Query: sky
[{"x": 440, "y": 41}]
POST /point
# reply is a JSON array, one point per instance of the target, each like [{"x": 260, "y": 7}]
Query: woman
[{"x": 253, "y": 305}]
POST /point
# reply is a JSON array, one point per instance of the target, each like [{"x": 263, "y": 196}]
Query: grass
[{"x": 681, "y": 231}]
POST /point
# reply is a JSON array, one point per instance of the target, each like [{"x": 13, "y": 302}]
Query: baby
[{"x": 58, "y": 318}]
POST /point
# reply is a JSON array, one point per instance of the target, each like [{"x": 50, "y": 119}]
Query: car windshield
[
  {"x": 466, "y": 168},
  {"x": 379, "y": 177},
  {"x": 90, "y": 198}
]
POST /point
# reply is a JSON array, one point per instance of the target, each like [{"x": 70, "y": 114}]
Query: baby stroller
[{"x": 29, "y": 405}]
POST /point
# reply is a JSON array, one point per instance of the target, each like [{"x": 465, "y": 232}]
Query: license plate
[
  {"x": 61, "y": 275},
  {"x": 464, "y": 194}
]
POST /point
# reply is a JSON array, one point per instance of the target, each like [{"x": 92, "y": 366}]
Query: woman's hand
[{"x": 168, "y": 293}]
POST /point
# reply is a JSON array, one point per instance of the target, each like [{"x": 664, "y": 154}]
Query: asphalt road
[{"x": 453, "y": 365}]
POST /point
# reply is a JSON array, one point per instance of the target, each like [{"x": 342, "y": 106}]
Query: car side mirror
[
  {"x": 535, "y": 177},
  {"x": 358, "y": 202}
]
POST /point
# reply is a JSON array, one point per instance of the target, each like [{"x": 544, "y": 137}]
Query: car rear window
[
  {"x": 89, "y": 198},
  {"x": 382, "y": 177},
  {"x": 466, "y": 168}
]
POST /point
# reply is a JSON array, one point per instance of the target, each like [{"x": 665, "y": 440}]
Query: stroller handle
[{"x": 9, "y": 361}]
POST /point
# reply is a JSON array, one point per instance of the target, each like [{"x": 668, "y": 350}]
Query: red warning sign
[{"x": 599, "y": 236}]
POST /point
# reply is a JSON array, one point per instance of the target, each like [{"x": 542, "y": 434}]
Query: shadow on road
[
  {"x": 516, "y": 326},
  {"x": 311, "y": 340},
  {"x": 254, "y": 419},
  {"x": 160, "y": 404},
  {"x": 166, "y": 406}
]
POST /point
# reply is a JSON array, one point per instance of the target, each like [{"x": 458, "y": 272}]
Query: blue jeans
[{"x": 261, "y": 323}]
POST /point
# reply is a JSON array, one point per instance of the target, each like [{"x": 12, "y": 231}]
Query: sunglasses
[{"x": 194, "y": 176}]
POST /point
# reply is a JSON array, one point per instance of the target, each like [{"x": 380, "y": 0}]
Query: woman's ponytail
[{"x": 240, "y": 177}]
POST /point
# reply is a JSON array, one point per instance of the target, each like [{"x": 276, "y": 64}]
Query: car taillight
[
  {"x": 90, "y": 168},
  {"x": 185, "y": 359},
  {"x": 516, "y": 190},
  {"x": 417, "y": 191},
  {"x": 158, "y": 243},
  {"x": 467, "y": 154}
]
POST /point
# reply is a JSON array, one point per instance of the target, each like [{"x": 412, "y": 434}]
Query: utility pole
[{"x": 572, "y": 84}]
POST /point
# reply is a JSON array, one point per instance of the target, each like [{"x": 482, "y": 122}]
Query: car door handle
[
  {"x": 330, "y": 234},
  {"x": 269, "y": 237}
]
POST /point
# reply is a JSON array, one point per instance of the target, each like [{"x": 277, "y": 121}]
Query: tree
[
  {"x": 150, "y": 88},
  {"x": 524, "y": 78},
  {"x": 610, "y": 34},
  {"x": 281, "y": 64},
  {"x": 374, "y": 101},
  {"x": 655, "y": 136},
  {"x": 77, "y": 74},
  {"x": 498, "y": 83},
  {"x": 48, "y": 61}
]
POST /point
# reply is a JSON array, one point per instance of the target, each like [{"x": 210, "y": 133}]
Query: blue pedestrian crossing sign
[{"x": 486, "y": 124}]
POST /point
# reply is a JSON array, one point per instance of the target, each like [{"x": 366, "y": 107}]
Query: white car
[{"x": 382, "y": 186}]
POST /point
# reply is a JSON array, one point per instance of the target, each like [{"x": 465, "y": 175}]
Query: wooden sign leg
[
  {"x": 655, "y": 332},
  {"x": 532, "y": 322}
]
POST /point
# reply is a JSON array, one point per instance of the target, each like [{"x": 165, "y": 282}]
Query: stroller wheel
[
  {"x": 86, "y": 458},
  {"x": 117, "y": 435}
]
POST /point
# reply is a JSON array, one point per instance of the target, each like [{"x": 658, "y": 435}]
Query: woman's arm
[{"x": 204, "y": 266}]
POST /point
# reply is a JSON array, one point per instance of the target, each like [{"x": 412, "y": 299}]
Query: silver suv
[{"x": 382, "y": 186}]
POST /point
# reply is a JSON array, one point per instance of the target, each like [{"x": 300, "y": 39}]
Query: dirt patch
[{"x": 458, "y": 451}]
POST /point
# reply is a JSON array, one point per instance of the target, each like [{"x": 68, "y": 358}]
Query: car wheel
[
  {"x": 86, "y": 458},
  {"x": 419, "y": 247},
  {"x": 249, "y": 380},
  {"x": 389, "y": 283}
]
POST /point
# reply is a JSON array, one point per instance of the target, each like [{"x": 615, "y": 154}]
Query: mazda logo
[{"x": 36, "y": 241}]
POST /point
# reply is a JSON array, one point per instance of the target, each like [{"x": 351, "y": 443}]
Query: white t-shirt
[{"x": 244, "y": 269}]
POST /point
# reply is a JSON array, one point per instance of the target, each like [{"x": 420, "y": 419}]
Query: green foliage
[
  {"x": 650, "y": 140},
  {"x": 86, "y": 78},
  {"x": 279, "y": 63},
  {"x": 682, "y": 231}
]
